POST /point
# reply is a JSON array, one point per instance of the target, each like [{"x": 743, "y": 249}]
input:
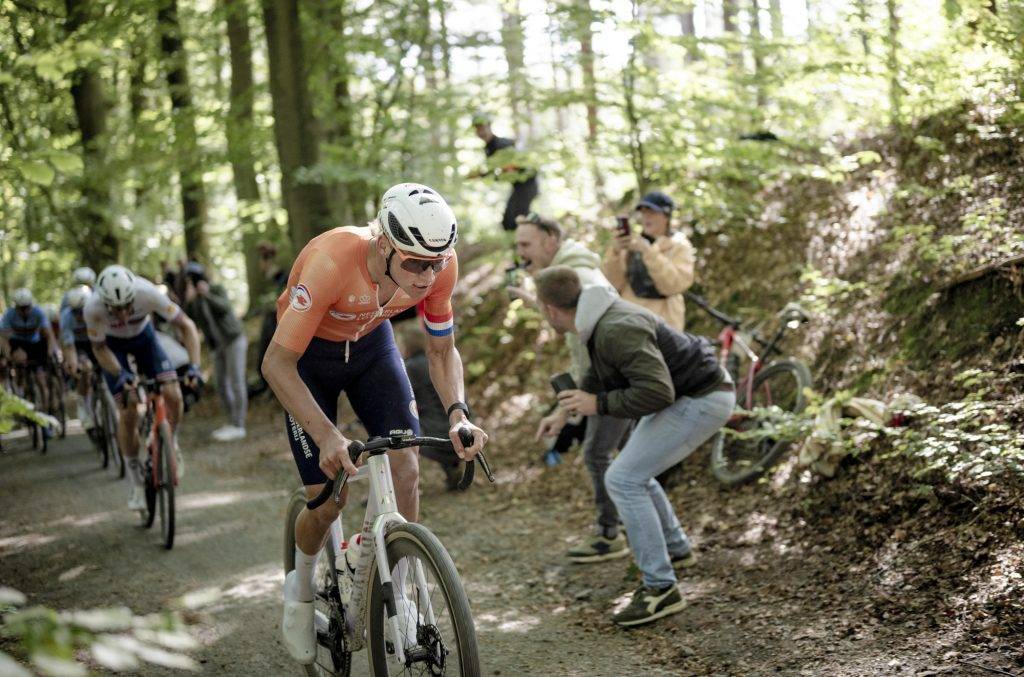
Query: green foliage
[
  {"x": 13, "y": 408},
  {"x": 114, "y": 638}
]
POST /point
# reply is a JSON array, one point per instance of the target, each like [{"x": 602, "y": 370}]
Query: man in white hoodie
[{"x": 540, "y": 244}]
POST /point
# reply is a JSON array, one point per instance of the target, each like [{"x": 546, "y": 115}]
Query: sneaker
[
  {"x": 680, "y": 562},
  {"x": 228, "y": 433},
  {"x": 297, "y": 624},
  {"x": 599, "y": 548},
  {"x": 552, "y": 458},
  {"x": 408, "y": 618},
  {"x": 650, "y": 604},
  {"x": 137, "y": 498}
]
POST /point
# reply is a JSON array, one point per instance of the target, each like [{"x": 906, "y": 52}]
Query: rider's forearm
[
  {"x": 189, "y": 336},
  {"x": 71, "y": 358},
  {"x": 446, "y": 373},
  {"x": 281, "y": 372},
  {"x": 106, "y": 359}
]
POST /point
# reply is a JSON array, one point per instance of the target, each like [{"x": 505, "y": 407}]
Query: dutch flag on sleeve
[{"x": 438, "y": 325}]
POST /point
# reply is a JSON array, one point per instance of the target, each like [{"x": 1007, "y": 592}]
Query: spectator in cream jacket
[{"x": 653, "y": 269}]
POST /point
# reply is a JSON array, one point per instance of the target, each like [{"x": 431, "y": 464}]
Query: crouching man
[{"x": 669, "y": 380}]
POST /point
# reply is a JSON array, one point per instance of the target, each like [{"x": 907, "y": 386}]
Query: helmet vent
[
  {"x": 397, "y": 231},
  {"x": 427, "y": 201}
]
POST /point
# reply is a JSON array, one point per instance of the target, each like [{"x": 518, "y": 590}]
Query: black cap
[{"x": 658, "y": 201}]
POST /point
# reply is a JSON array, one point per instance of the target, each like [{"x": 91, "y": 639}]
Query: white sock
[
  {"x": 135, "y": 471},
  {"x": 305, "y": 566}
]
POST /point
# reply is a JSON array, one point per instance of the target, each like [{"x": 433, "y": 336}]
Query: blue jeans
[{"x": 658, "y": 442}]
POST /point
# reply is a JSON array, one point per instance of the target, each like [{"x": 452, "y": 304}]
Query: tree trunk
[
  {"x": 240, "y": 129},
  {"x": 862, "y": 17},
  {"x": 638, "y": 156},
  {"x": 688, "y": 25},
  {"x": 138, "y": 104},
  {"x": 100, "y": 246},
  {"x": 760, "y": 74},
  {"x": 512, "y": 40},
  {"x": 294, "y": 131},
  {"x": 730, "y": 28},
  {"x": 775, "y": 10},
  {"x": 587, "y": 62},
  {"x": 186, "y": 145},
  {"x": 893, "y": 65}
]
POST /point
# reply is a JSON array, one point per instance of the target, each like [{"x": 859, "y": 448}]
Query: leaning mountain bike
[
  {"x": 765, "y": 383},
  {"x": 393, "y": 587}
]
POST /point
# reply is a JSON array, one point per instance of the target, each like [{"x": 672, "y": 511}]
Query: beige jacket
[{"x": 670, "y": 264}]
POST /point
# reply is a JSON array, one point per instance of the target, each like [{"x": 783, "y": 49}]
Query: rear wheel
[
  {"x": 98, "y": 432},
  {"x": 333, "y": 659},
  {"x": 165, "y": 484},
  {"x": 439, "y": 636},
  {"x": 780, "y": 384}
]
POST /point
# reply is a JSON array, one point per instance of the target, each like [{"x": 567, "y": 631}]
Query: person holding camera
[
  {"x": 653, "y": 268},
  {"x": 208, "y": 305},
  {"x": 540, "y": 244},
  {"x": 672, "y": 383}
]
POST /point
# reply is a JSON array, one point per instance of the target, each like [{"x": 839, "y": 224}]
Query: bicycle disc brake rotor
[{"x": 430, "y": 650}]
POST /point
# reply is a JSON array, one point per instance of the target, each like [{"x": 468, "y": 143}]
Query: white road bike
[{"x": 417, "y": 597}]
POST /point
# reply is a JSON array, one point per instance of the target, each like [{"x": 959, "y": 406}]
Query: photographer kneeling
[{"x": 669, "y": 380}]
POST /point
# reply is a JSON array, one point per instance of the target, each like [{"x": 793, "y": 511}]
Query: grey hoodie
[{"x": 587, "y": 265}]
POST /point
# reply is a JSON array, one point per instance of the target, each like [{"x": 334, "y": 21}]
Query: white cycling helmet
[
  {"x": 22, "y": 297},
  {"x": 77, "y": 296},
  {"x": 116, "y": 285},
  {"x": 417, "y": 221},
  {"x": 84, "y": 275}
]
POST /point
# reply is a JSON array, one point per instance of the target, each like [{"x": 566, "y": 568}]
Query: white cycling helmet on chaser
[
  {"x": 116, "y": 286},
  {"x": 84, "y": 275},
  {"x": 22, "y": 297},
  {"x": 417, "y": 221},
  {"x": 77, "y": 296}
]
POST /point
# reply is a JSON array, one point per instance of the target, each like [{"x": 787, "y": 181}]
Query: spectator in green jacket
[{"x": 209, "y": 307}]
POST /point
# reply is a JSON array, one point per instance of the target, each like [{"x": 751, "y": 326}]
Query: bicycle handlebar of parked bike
[{"x": 357, "y": 448}]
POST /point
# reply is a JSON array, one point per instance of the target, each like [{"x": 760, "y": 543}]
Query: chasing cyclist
[
  {"x": 118, "y": 325},
  {"x": 26, "y": 338},
  {"x": 79, "y": 359},
  {"x": 332, "y": 336}
]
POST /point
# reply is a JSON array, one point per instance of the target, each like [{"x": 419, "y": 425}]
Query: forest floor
[{"x": 771, "y": 593}]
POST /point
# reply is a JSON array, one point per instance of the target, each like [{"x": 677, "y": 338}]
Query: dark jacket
[
  {"x": 213, "y": 314},
  {"x": 640, "y": 365}
]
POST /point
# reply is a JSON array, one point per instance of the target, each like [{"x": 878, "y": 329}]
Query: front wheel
[
  {"x": 437, "y": 629},
  {"x": 780, "y": 384},
  {"x": 165, "y": 484}
]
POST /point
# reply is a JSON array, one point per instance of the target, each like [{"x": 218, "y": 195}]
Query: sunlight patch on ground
[
  {"x": 256, "y": 585},
  {"x": 214, "y": 499},
  {"x": 72, "y": 574},
  {"x": 25, "y": 541},
  {"x": 506, "y": 621},
  {"x": 189, "y": 537},
  {"x": 757, "y": 528}
]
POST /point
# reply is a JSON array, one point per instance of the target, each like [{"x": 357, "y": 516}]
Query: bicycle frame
[
  {"x": 727, "y": 337},
  {"x": 381, "y": 510},
  {"x": 156, "y": 413}
]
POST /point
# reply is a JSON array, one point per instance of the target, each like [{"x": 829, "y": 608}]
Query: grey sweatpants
[
  {"x": 229, "y": 370},
  {"x": 604, "y": 435}
]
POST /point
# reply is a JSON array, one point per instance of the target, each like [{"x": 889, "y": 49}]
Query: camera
[{"x": 563, "y": 381}]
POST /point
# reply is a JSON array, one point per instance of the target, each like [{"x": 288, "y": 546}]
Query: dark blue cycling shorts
[
  {"x": 85, "y": 348},
  {"x": 150, "y": 358},
  {"x": 373, "y": 378},
  {"x": 35, "y": 352}
]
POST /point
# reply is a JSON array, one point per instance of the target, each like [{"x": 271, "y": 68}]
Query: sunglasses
[
  {"x": 420, "y": 266},
  {"x": 130, "y": 309}
]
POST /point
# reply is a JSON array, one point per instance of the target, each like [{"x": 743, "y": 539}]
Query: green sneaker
[
  {"x": 599, "y": 549},
  {"x": 650, "y": 604},
  {"x": 680, "y": 562}
]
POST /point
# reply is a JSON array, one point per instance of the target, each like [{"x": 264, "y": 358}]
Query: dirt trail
[
  {"x": 773, "y": 593},
  {"x": 67, "y": 541}
]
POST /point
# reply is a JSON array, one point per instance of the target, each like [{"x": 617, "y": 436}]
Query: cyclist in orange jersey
[{"x": 333, "y": 336}]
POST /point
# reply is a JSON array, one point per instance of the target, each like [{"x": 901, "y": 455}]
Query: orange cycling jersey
[{"x": 330, "y": 294}]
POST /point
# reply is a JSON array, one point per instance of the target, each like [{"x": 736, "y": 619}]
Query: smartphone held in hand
[
  {"x": 563, "y": 381},
  {"x": 623, "y": 225}
]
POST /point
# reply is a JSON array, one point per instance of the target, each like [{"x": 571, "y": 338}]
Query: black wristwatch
[{"x": 459, "y": 405}]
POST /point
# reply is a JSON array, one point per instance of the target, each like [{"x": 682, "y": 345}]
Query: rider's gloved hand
[
  {"x": 194, "y": 375},
  {"x": 124, "y": 380}
]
